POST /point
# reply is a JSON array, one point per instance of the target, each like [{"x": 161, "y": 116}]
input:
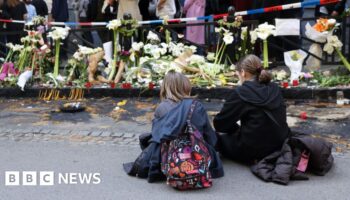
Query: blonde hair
[{"x": 175, "y": 86}]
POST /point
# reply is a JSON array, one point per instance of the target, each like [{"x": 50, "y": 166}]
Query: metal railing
[{"x": 211, "y": 39}]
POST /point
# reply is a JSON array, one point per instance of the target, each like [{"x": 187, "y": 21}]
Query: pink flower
[{"x": 308, "y": 75}]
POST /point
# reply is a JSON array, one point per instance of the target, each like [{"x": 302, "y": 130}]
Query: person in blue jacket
[{"x": 169, "y": 119}]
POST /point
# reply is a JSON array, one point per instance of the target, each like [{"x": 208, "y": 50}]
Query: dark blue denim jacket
[{"x": 167, "y": 128}]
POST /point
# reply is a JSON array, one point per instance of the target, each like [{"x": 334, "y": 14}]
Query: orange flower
[{"x": 322, "y": 25}]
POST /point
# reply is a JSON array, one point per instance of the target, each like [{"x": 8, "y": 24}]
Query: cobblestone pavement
[{"x": 122, "y": 139}]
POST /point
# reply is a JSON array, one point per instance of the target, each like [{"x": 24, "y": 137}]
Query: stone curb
[
  {"x": 325, "y": 94},
  {"x": 64, "y": 132}
]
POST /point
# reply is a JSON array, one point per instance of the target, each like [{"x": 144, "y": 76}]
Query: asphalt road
[{"x": 106, "y": 159}]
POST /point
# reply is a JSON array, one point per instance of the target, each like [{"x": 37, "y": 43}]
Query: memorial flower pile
[{"x": 145, "y": 64}]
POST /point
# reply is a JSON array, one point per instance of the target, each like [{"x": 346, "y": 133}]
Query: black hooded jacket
[{"x": 262, "y": 112}]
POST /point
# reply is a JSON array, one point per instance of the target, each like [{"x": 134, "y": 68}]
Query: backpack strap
[
  {"x": 269, "y": 114},
  {"x": 190, "y": 113}
]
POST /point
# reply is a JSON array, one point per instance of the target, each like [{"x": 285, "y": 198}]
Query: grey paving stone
[
  {"x": 4, "y": 130},
  {"x": 3, "y": 134},
  {"x": 128, "y": 135},
  {"x": 96, "y": 133},
  {"x": 4, "y": 138},
  {"x": 36, "y": 130},
  {"x": 129, "y": 140},
  {"x": 16, "y": 131},
  {"x": 115, "y": 134},
  {"x": 105, "y": 134},
  {"x": 55, "y": 132},
  {"x": 65, "y": 132},
  {"x": 86, "y": 133},
  {"x": 45, "y": 131}
]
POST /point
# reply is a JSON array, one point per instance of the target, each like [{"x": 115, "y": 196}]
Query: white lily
[
  {"x": 137, "y": 46},
  {"x": 10, "y": 45},
  {"x": 59, "y": 33},
  {"x": 211, "y": 56},
  {"x": 132, "y": 57},
  {"x": 196, "y": 60},
  {"x": 228, "y": 38},
  {"x": 147, "y": 48},
  {"x": 220, "y": 30},
  {"x": 156, "y": 53},
  {"x": 265, "y": 30},
  {"x": 85, "y": 50},
  {"x": 244, "y": 32},
  {"x": 114, "y": 24},
  {"x": 78, "y": 56},
  {"x": 38, "y": 20},
  {"x": 280, "y": 75},
  {"x": 152, "y": 36},
  {"x": 253, "y": 36},
  {"x": 144, "y": 59},
  {"x": 333, "y": 43},
  {"x": 17, "y": 47},
  {"x": 193, "y": 48}
]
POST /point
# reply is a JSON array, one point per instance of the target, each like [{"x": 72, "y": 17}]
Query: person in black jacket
[
  {"x": 15, "y": 10},
  {"x": 259, "y": 106},
  {"x": 41, "y": 8}
]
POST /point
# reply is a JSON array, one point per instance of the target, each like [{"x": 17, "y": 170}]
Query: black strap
[{"x": 269, "y": 114}]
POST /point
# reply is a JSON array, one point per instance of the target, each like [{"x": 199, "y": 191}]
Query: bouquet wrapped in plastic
[
  {"x": 294, "y": 60},
  {"x": 318, "y": 33}
]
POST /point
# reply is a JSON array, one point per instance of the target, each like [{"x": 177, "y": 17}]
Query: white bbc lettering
[
  {"x": 97, "y": 178},
  {"x": 29, "y": 178},
  {"x": 46, "y": 178},
  {"x": 85, "y": 178},
  {"x": 63, "y": 178},
  {"x": 73, "y": 178},
  {"x": 12, "y": 178}
]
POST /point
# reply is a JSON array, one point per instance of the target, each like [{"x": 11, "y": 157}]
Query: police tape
[{"x": 191, "y": 19}]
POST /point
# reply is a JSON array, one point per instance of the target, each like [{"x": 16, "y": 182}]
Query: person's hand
[{"x": 335, "y": 14}]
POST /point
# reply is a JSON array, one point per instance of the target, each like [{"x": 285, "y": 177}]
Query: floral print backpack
[{"x": 186, "y": 159}]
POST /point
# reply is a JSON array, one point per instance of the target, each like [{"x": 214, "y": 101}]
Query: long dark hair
[
  {"x": 12, "y": 3},
  {"x": 252, "y": 64}
]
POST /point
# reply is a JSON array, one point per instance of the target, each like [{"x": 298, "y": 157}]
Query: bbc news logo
[{"x": 49, "y": 178}]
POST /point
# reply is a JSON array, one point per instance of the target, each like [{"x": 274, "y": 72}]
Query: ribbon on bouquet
[{"x": 179, "y": 20}]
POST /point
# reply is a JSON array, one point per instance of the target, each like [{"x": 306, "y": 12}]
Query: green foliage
[{"x": 331, "y": 81}]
